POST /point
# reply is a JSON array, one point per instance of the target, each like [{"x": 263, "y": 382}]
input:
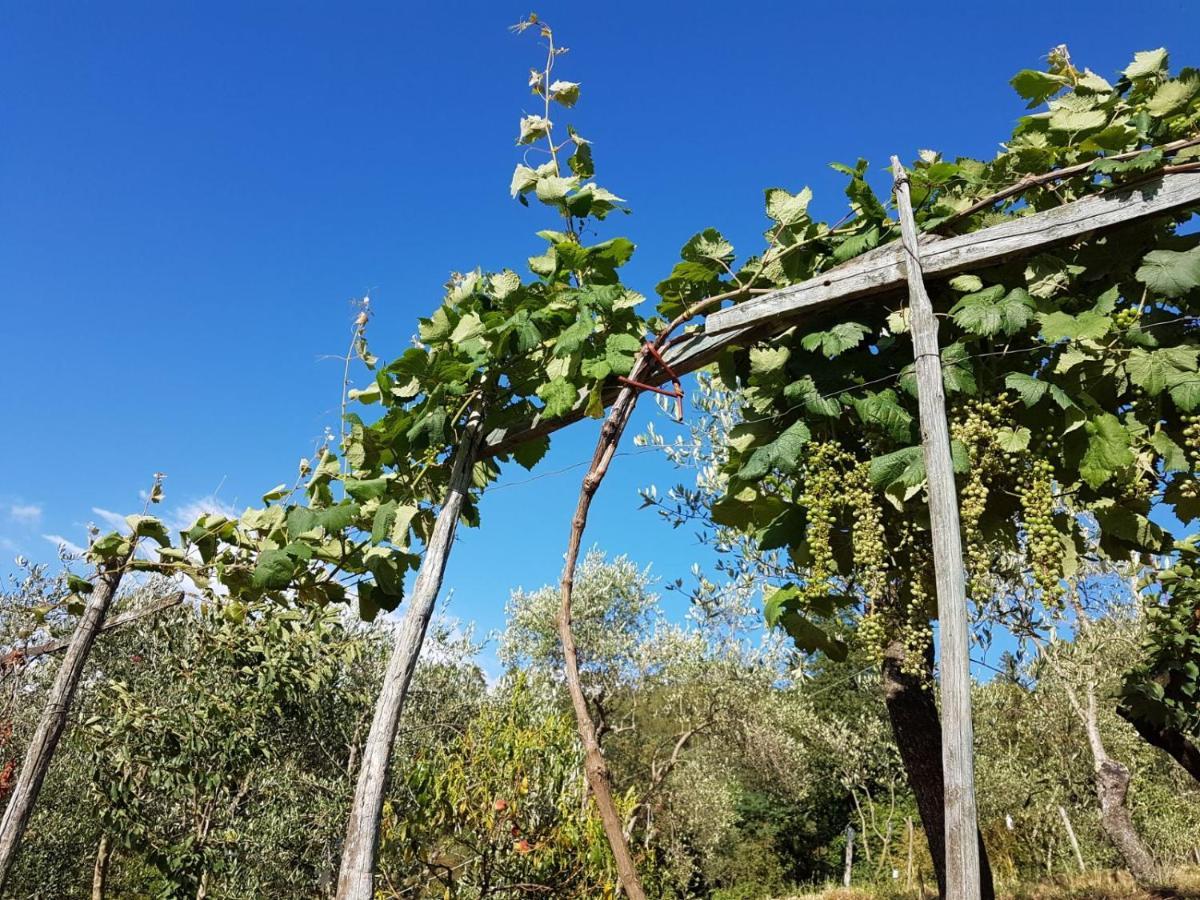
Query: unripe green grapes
[{"x": 1042, "y": 539}]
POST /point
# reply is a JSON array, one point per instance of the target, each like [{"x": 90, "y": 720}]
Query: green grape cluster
[
  {"x": 975, "y": 428},
  {"x": 872, "y": 634},
  {"x": 916, "y": 630},
  {"x": 1036, "y": 492},
  {"x": 819, "y": 499},
  {"x": 1190, "y": 487},
  {"x": 867, "y": 536},
  {"x": 1126, "y": 318}
]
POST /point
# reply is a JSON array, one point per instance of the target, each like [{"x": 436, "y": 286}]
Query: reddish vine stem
[
  {"x": 1031, "y": 181},
  {"x": 595, "y": 766}
]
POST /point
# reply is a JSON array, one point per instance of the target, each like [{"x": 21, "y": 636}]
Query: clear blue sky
[{"x": 191, "y": 193}]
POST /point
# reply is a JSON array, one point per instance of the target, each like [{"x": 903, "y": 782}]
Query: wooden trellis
[{"x": 883, "y": 274}]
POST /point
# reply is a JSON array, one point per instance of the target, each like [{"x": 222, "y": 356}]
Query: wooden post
[
  {"x": 849, "y": 856},
  {"x": 909, "y": 877},
  {"x": 54, "y": 717},
  {"x": 1066, "y": 820},
  {"x": 356, "y": 877},
  {"x": 962, "y": 849}
]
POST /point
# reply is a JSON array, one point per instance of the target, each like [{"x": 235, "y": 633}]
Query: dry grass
[{"x": 1183, "y": 884}]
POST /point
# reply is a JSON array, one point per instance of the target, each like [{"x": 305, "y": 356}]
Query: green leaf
[
  {"x": 1172, "y": 455},
  {"x": 532, "y": 128},
  {"x": 436, "y": 328},
  {"x": 1171, "y": 273},
  {"x": 783, "y": 453},
  {"x": 782, "y": 609},
  {"x": 882, "y": 410},
  {"x": 401, "y": 523},
  {"x": 1155, "y": 370},
  {"x": 841, "y": 337},
  {"x": 904, "y": 467},
  {"x": 564, "y": 92},
  {"x": 1087, "y": 326},
  {"x": 708, "y": 247},
  {"x": 1146, "y": 62},
  {"x": 276, "y": 493},
  {"x": 856, "y": 244},
  {"x": 560, "y": 397},
  {"x": 1076, "y": 113},
  {"x": 1108, "y": 450},
  {"x": 786, "y": 208},
  {"x": 274, "y": 571},
  {"x": 993, "y": 311},
  {"x": 766, "y": 361},
  {"x": 523, "y": 180},
  {"x": 150, "y": 527},
  {"x": 79, "y": 585},
  {"x": 530, "y": 453},
  {"x": 966, "y": 284},
  {"x": 367, "y": 489},
  {"x": 552, "y": 189},
  {"x": 1013, "y": 440},
  {"x": 619, "y": 352},
  {"x": 381, "y": 524},
  {"x": 1037, "y": 86}
]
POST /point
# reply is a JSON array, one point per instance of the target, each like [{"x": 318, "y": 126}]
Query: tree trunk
[
  {"x": 1171, "y": 741},
  {"x": 918, "y": 733},
  {"x": 1112, "y": 787},
  {"x": 356, "y": 878},
  {"x": 100, "y": 871},
  {"x": 54, "y": 718}
]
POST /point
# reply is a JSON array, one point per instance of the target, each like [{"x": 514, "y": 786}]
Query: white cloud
[
  {"x": 59, "y": 541},
  {"x": 113, "y": 520},
  {"x": 25, "y": 513},
  {"x": 186, "y": 515}
]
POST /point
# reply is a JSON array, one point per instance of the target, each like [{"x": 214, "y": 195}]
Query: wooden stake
[
  {"x": 54, "y": 717},
  {"x": 908, "y": 880},
  {"x": 356, "y": 878},
  {"x": 962, "y": 849},
  {"x": 1066, "y": 820},
  {"x": 849, "y": 868}
]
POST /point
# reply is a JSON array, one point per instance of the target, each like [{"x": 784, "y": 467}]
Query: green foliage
[
  {"x": 1091, "y": 348},
  {"x": 512, "y": 348},
  {"x": 1164, "y": 687},
  {"x": 181, "y": 741},
  {"x": 500, "y": 805}
]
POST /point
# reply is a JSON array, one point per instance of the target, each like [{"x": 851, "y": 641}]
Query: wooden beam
[
  {"x": 881, "y": 271},
  {"x": 24, "y": 655},
  {"x": 883, "y": 268},
  {"x": 958, "y": 751}
]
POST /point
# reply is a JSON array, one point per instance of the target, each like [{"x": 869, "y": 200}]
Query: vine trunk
[{"x": 918, "y": 731}]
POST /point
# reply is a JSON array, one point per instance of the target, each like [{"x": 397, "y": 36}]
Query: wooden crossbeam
[{"x": 882, "y": 270}]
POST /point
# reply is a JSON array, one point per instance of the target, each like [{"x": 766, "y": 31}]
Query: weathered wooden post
[
  {"x": 849, "y": 869},
  {"x": 958, "y": 766}
]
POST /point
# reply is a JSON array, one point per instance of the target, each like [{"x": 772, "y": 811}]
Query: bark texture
[
  {"x": 100, "y": 870},
  {"x": 54, "y": 718},
  {"x": 918, "y": 733},
  {"x": 1112, "y": 788},
  {"x": 595, "y": 766},
  {"x": 356, "y": 878},
  {"x": 1174, "y": 743}
]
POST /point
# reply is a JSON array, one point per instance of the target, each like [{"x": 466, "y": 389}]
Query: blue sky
[{"x": 192, "y": 193}]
